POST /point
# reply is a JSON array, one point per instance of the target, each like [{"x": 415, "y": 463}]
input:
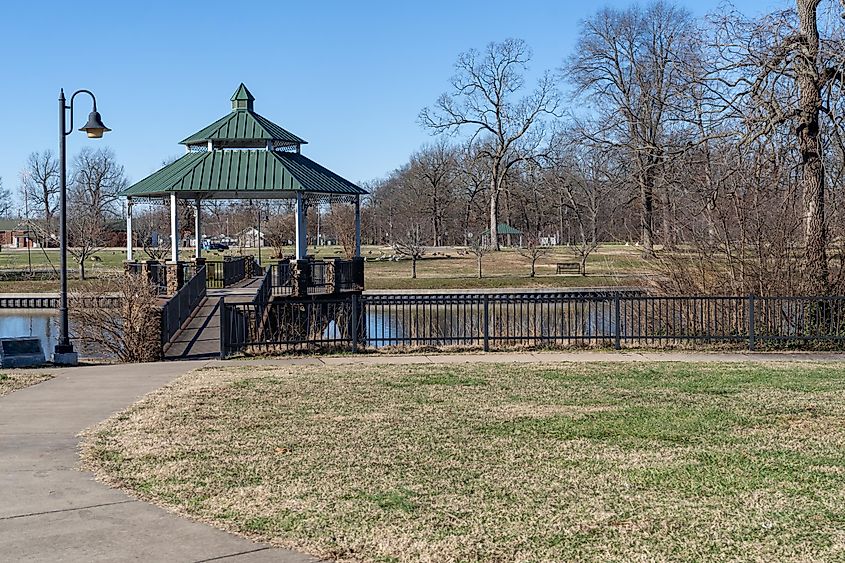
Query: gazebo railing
[{"x": 323, "y": 277}]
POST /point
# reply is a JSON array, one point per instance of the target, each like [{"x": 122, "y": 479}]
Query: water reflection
[{"x": 41, "y": 323}]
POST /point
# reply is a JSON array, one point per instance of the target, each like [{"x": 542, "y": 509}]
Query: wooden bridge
[{"x": 191, "y": 318}]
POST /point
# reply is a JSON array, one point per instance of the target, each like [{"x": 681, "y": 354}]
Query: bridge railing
[{"x": 178, "y": 308}]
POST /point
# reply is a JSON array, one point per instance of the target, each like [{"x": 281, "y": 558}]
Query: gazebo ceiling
[{"x": 243, "y": 155}]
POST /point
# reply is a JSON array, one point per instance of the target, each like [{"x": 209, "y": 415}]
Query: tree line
[{"x": 713, "y": 144}]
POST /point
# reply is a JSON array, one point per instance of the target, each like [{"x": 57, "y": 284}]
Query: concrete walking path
[{"x": 51, "y": 511}]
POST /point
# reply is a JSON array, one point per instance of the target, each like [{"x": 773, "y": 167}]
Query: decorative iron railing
[{"x": 540, "y": 319}]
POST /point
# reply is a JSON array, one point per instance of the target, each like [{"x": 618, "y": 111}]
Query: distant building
[
  {"x": 249, "y": 238},
  {"x": 14, "y": 233}
]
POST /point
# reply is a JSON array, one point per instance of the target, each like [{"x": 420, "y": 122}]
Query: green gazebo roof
[
  {"x": 504, "y": 229},
  {"x": 232, "y": 173},
  {"x": 243, "y": 124},
  {"x": 232, "y": 158}
]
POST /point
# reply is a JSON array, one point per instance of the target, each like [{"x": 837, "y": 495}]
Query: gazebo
[{"x": 242, "y": 155}]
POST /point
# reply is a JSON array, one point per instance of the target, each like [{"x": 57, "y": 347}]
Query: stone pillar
[
  {"x": 175, "y": 277},
  {"x": 199, "y": 262},
  {"x": 332, "y": 277},
  {"x": 300, "y": 274}
]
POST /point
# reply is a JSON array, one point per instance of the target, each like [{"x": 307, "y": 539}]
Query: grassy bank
[
  {"x": 14, "y": 380},
  {"x": 442, "y": 268},
  {"x": 498, "y": 462}
]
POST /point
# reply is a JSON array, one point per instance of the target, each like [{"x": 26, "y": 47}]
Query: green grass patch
[{"x": 485, "y": 462}]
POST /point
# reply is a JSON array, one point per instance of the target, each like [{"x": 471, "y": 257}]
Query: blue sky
[{"x": 349, "y": 77}]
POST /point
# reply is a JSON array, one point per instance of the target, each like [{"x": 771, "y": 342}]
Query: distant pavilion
[{"x": 243, "y": 155}]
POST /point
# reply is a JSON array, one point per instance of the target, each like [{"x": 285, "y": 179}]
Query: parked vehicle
[{"x": 218, "y": 246}]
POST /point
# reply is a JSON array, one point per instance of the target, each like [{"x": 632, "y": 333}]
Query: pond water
[{"x": 42, "y": 323}]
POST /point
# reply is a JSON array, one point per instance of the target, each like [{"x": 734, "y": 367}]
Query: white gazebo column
[
  {"x": 128, "y": 229},
  {"x": 301, "y": 228},
  {"x": 198, "y": 229},
  {"x": 357, "y": 226},
  {"x": 174, "y": 229}
]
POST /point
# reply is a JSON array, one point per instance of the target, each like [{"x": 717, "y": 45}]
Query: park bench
[{"x": 568, "y": 268}]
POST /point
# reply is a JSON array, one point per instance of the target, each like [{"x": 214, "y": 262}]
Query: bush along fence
[{"x": 538, "y": 320}]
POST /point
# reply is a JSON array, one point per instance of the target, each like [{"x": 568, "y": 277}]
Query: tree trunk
[
  {"x": 647, "y": 215},
  {"x": 809, "y": 145},
  {"x": 82, "y": 269},
  {"x": 414, "y": 267},
  {"x": 494, "y": 212},
  {"x": 479, "y": 266}
]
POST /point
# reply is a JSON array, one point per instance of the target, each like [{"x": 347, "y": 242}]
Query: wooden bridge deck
[{"x": 200, "y": 337}]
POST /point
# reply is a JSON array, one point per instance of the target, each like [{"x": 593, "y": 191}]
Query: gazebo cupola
[
  {"x": 243, "y": 155},
  {"x": 242, "y": 128}
]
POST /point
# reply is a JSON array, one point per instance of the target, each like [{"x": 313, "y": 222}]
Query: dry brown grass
[
  {"x": 18, "y": 379},
  {"x": 648, "y": 462}
]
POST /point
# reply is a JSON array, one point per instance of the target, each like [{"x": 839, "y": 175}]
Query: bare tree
[
  {"x": 131, "y": 333},
  {"x": 477, "y": 248},
  {"x": 781, "y": 78},
  {"x": 5, "y": 201},
  {"x": 412, "y": 246},
  {"x": 40, "y": 190},
  {"x": 533, "y": 249},
  {"x": 92, "y": 202},
  {"x": 342, "y": 222},
  {"x": 632, "y": 65},
  {"x": 483, "y": 101},
  {"x": 433, "y": 171}
]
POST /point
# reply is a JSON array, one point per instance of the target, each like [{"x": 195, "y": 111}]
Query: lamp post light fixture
[{"x": 63, "y": 353}]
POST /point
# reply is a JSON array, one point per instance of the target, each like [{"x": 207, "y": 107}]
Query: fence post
[
  {"x": 752, "y": 338},
  {"x": 617, "y": 323},
  {"x": 486, "y": 323},
  {"x": 224, "y": 324},
  {"x": 354, "y": 323}
]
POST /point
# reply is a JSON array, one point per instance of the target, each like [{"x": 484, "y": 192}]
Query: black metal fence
[
  {"x": 50, "y": 302},
  {"x": 537, "y": 320},
  {"x": 179, "y": 307},
  {"x": 282, "y": 280},
  {"x": 227, "y": 272}
]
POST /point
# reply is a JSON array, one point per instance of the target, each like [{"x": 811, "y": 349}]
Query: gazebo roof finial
[{"x": 242, "y": 98}]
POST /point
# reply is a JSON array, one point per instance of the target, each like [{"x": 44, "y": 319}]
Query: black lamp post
[{"x": 64, "y": 353}]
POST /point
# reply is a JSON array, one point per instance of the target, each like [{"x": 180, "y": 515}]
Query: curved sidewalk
[{"x": 51, "y": 511}]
